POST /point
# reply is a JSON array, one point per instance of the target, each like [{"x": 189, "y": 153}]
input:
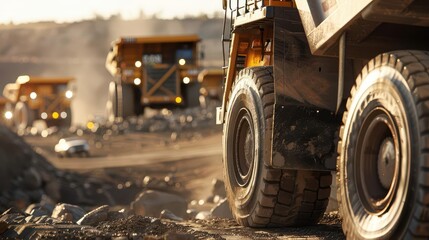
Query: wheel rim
[
  {"x": 377, "y": 162},
  {"x": 243, "y": 148}
]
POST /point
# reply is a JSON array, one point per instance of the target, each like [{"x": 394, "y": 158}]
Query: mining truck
[
  {"x": 314, "y": 86},
  {"x": 211, "y": 85},
  {"x": 156, "y": 72},
  {"x": 33, "y": 98}
]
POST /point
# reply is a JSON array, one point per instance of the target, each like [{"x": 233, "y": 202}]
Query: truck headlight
[
  {"x": 8, "y": 115},
  {"x": 33, "y": 95},
  {"x": 186, "y": 80},
  {"x": 69, "y": 94},
  {"x": 182, "y": 62},
  {"x": 63, "y": 115},
  {"x": 138, "y": 64},
  {"x": 137, "y": 81}
]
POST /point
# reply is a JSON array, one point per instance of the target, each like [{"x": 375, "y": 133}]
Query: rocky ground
[{"x": 179, "y": 198}]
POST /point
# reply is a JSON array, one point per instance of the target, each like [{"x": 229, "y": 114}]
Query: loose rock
[
  {"x": 167, "y": 214},
  {"x": 151, "y": 203},
  {"x": 68, "y": 211},
  {"x": 95, "y": 216}
]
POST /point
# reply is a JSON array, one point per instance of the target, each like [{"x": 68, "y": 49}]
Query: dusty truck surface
[
  {"x": 314, "y": 86},
  {"x": 39, "y": 98},
  {"x": 156, "y": 72}
]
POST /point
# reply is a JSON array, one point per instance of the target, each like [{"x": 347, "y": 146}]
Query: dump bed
[{"x": 370, "y": 24}]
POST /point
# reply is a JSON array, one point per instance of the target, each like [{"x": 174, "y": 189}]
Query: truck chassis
[{"x": 322, "y": 85}]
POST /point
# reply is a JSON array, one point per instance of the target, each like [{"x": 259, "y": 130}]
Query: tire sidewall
[
  {"x": 244, "y": 94},
  {"x": 380, "y": 83}
]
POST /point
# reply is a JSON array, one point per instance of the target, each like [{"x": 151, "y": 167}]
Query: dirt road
[{"x": 194, "y": 160}]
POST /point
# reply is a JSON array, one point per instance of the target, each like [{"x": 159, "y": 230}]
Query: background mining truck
[
  {"x": 156, "y": 72},
  {"x": 211, "y": 86},
  {"x": 314, "y": 86},
  {"x": 38, "y": 98}
]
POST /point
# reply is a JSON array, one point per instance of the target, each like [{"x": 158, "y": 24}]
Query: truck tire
[
  {"x": 383, "y": 171},
  {"x": 129, "y": 103},
  {"x": 260, "y": 196},
  {"x": 123, "y": 101},
  {"x": 23, "y": 116}
]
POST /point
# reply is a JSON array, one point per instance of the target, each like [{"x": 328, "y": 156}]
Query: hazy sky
[{"x": 22, "y": 11}]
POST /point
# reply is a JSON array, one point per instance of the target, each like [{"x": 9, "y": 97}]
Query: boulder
[
  {"x": 68, "y": 212},
  {"x": 151, "y": 203},
  {"x": 95, "y": 216}
]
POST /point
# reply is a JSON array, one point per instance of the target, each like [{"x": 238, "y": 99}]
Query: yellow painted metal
[{"x": 230, "y": 75}]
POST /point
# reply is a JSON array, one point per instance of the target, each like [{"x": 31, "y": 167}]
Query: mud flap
[{"x": 303, "y": 138}]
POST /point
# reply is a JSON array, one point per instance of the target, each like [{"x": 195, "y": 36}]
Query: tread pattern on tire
[
  {"x": 287, "y": 197},
  {"x": 414, "y": 67}
]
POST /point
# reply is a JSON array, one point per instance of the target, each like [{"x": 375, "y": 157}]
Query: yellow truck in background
[
  {"x": 38, "y": 98},
  {"x": 211, "y": 85},
  {"x": 156, "y": 72}
]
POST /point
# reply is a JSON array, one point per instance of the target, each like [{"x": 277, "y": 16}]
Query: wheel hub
[
  {"x": 377, "y": 162},
  {"x": 244, "y": 147},
  {"x": 386, "y": 162}
]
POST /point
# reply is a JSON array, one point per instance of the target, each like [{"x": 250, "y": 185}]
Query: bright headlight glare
[
  {"x": 33, "y": 95},
  {"x": 69, "y": 94},
  {"x": 137, "y": 81},
  {"x": 186, "y": 80},
  {"x": 182, "y": 61},
  {"x": 138, "y": 64},
  {"x": 8, "y": 115}
]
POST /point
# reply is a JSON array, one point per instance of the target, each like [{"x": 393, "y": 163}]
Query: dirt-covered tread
[{"x": 414, "y": 67}]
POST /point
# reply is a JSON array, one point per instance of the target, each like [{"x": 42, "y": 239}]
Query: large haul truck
[
  {"x": 157, "y": 72},
  {"x": 33, "y": 98},
  {"x": 314, "y": 86}
]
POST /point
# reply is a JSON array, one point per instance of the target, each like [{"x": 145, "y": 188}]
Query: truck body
[
  {"x": 158, "y": 71},
  {"x": 33, "y": 98},
  {"x": 314, "y": 86}
]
